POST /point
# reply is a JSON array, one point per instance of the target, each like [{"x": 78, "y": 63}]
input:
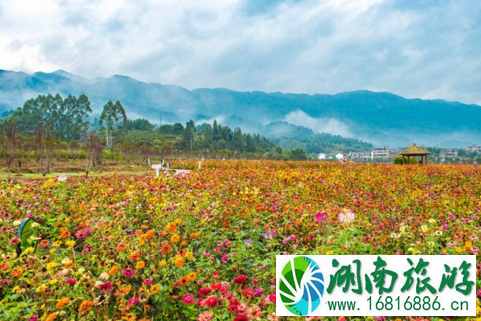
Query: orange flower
[
  {"x": 154, "y": 289},
  {"x": 121, "y": 247},
  {"x": 175, "y": 238},
  {"x": 134, "y": 256},
  {"x": 150, "y": 234},
  {"x": 171, "y": 227},
  {"x": 85, "y": 307},
  {"x": 192, "y": 276},
  {"x": 16, "y": 272},
  {"x": 113, "y": 270},
  {"x": 178, "y": 261},
  {"x": 44, "y": 243},
  {"x": 194, "y": 235},
  {"x": 51, "y": 317},
  {"x": 62, "y": 302},
  {"x": 183, "y": 281},
  {"x": 166, "y": 248}
]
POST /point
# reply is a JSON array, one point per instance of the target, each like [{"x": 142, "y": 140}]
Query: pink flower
[
  {"x": 322, "y": 217},
  {"x": 33, "y": 318},
  {"x": 188, "y": 299},
  {"x": 134, "y": 300},
  {"x": 268, "y": 235},
  {"x": 346, "y": 216},
  {"x": 205, "y": 316},
  {"x": 224, "y": 258},
  {"x": 71, "y": 281},
  {"x": 128, "y": 272}
]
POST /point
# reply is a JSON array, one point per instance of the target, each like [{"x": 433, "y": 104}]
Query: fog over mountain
[{"x": 380, "y": 118}]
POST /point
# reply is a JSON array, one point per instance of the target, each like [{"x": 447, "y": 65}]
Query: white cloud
[
  {"x": 416, "y": 49},
  {"x": 319, "y": 125}
]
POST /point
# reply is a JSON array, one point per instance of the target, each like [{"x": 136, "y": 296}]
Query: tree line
[{"x": 52, "y": 127}]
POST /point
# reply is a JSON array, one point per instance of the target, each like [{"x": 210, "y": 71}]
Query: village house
[
  {"x": 359, "y": 155},
  {"x": 476, "y": 149},
  {"x": 380, "y": 152},
  {"x": 449, "y": 153}
]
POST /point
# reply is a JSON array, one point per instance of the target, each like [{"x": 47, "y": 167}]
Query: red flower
[
  {"x": 241, "y": 318},
  {"x": 106, "y": 286},
  {"x": 241, "y": 279},
  {"x": 204, "y": 291},
  {"x": 272, "y": 297},
  {"x": 211, "y": 302}
]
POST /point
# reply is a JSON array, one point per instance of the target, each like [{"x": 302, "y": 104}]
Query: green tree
[
  {"x": 113, "y": 117},
  {"x": 297, "y": 154}
]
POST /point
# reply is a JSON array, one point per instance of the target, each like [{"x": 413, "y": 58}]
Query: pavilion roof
[{"x": 414, "y": 150}]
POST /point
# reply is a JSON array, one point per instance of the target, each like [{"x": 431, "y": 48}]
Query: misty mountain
[{"x": 376, "y": 117}]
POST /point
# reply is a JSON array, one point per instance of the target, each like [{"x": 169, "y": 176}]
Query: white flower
[
  {"x": 104, "y": 276},
  {"x": 62, "y": 178},
  {"x": 17, "y": 223}
]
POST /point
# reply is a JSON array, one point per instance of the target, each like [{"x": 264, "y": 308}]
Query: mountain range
[{"x": 378, "y": 118}]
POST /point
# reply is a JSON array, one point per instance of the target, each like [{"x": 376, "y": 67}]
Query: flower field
[{"x": 202, "y": 246}]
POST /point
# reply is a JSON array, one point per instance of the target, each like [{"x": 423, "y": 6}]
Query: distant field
[{"x": 130, "y": 246}]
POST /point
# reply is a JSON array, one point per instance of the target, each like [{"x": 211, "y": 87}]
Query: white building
[
  {"x": 380, "y": 152},
  {"x": 449, "y": 153},
  {"x": 339, "y": 156},
  {"x": 474, "y": 149},
  {"x": 359, "y": 155},
  {"x": 321, "y": 156}
]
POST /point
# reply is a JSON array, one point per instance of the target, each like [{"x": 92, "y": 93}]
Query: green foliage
[
  {"x": 63, "y": 119},
  {"x": 400, "y": 160},
  {"x": 297, "y": 154}
]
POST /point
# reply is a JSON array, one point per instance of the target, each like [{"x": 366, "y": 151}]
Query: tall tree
[{"x": 113, "y": 116}]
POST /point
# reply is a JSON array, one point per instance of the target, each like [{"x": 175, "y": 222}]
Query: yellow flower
[
  {"x": 330, "y": 253},
  {"x": 54, "y": 281},
  {"x": 51, "y": 265},
  {"x": 41, "y": 288},
  {"x": 28, "y": 250},
  {"x": 175, "y": 238},
  {"x": 140, "y": 265},
  {"x": 163, "y": 263},
  {"x": 178, "y": 221},
  {"x": 70, "y": 244},
  {"x": 57, "y": 243},
  {"x": 189, "y": 255}
]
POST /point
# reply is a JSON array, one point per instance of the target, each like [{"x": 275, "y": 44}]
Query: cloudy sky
[{"x": 415, "y": 48}]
